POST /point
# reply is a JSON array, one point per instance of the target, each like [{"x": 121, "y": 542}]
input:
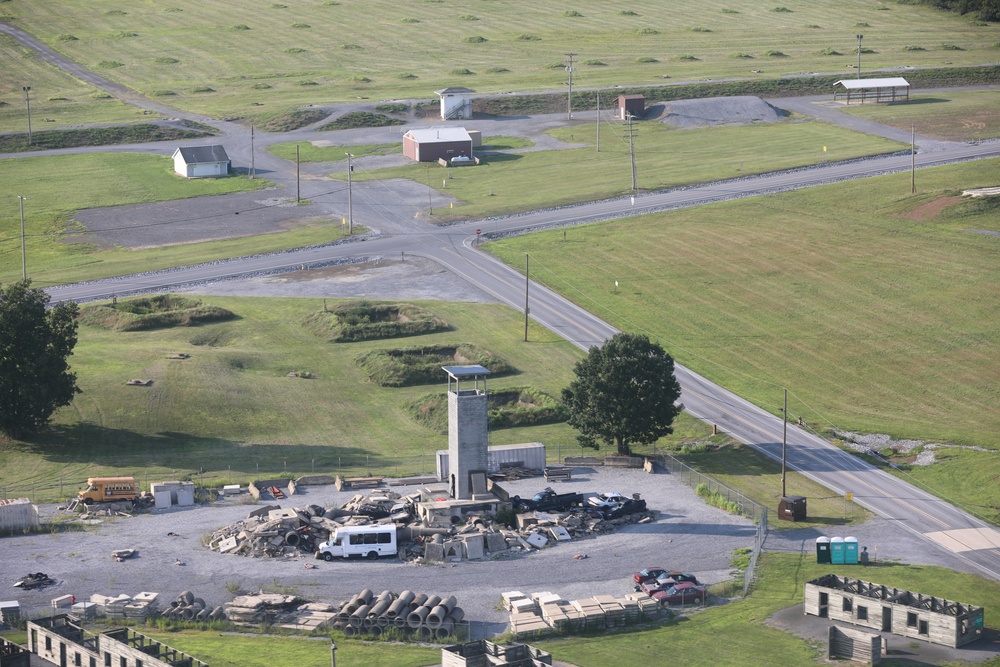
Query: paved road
[{"x": 942, "y": 525}]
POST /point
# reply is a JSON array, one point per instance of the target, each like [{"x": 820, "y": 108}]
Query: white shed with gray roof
[{"x": 201, "y": 161}]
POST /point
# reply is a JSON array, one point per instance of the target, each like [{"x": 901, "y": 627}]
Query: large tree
[
  {"x": 35, "y": 344},
  {"x": 624, "y": 394}
]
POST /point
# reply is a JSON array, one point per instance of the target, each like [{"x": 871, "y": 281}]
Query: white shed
[
  {"x": 201, "y": 161},
  {"x": 456, "y": 103}
]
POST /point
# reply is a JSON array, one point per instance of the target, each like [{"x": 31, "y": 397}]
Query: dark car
[
  {"x": 650, "y": 573},
  {"x": 683, "y": 593},
  {"x": 665, "y": 581}
]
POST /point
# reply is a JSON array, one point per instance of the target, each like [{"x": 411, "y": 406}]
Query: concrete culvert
[
  {"x": 375, "y": 631},
  {"x": 358, "y": 617},
  {"x": 198, "y": 604},
  {"x": 378, "y": 608},
  {"x": 418, "y": 601},
  {"x": 201, "y": 615},
  {"x": 424, "y": 632},
  {"x": 365, "y": 596},
  {"x": 432, "y": 601},
  {"x": 350, "y": 631},
  {"x": 456, "y": 615},
  {"x": 292, "y": 538},
  {"x": 400, "y": 621},
  {"x": 187, "y": 613},
  {"x": 436, "y": 617},
  {"x": 445, "y": 630},
  {"x": 416, "y": 618},
  {"x": 187, "y": 597},
  {"x": 218, "y": 612}
]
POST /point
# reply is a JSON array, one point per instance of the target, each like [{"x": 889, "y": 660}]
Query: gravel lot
[{"x": 688, "y": 535}]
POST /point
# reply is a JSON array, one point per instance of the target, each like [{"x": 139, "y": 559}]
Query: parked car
[
  {"x": 684, "y": 593},
  {"x": 665, "y": 580},
  {"x": 650, "y": 573},
  {"x": 608, "y": 500}
]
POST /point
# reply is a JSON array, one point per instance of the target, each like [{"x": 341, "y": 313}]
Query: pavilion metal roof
[{"x": 856, "y": 84}]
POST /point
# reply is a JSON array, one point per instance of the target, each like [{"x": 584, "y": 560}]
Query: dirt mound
[{"x": 744, "y": 110}]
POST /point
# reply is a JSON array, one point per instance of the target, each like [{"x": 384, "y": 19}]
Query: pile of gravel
[{"x": 712, "y": 111}]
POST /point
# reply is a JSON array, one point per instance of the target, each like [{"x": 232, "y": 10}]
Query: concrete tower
[{"x": 467, "y": 434}]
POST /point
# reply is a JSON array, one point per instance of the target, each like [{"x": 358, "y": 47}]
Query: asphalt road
[{"x": 942, "y": 525}]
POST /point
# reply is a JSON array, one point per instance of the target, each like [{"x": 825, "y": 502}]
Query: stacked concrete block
[
  {"x": 17, "y": 514},
  {"x": 10, "y": 611}
]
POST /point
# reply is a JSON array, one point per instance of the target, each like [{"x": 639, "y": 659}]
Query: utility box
[
  {"x": 837, "y": 551},
  {"x": 850, "y": 551},
  {"x": 823, "y": 550},
  {"x": 792, "y": 508}
]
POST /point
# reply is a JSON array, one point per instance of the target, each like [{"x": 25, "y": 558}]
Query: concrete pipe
[
  {"x": 416, "y": 618},
  {"x": 400, "y": 621},
  {"x": 450, "y": 602},
  {"x": 436, "y": 617},
  {"x": 187, "y": 613},
  {"x": 187, "y": 597},
  {"x": 383, "y": 622},
  {"x": 446, "y": 629},
  {"x": 352, "y": 605},
  {"x": 432, "y": 601},
  {"x": 418, "y": 601},
  {"x": 378, "y": 608},
  {"x": 375, "y": 631},
  {"x": 386, "y": 595},
  {"x": 350, "y": 631},
  {"x": 368, "y": 622},
  {"x": 424, "y": 632},
  {"x": 201, "y": 615},
  {"x": 199, "y": 601},
  {"x": 395, "y": 608},
  {"x": 457, "y": 614},
  {"x": 218, "y": 612},
  {"x": 407, "y": 597},
  {"x": 345, "y": 612},
  {"x": 359, "y": 615},
  {"x": 365, "y": 596}
]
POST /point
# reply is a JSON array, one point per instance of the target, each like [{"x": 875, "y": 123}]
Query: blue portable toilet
[
  {"x": 837, "y": 550},
  {"x": 823, "y": 549},
  {"x": 850, "y": 551}
]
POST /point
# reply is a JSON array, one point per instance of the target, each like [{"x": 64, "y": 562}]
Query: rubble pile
[
  {"x": 283, "y": 611},
  {"x": 187, "y": 607},
  {"x": 427, "y": 616},
  {"x": 271, "y": 532},
  {"x": 122, "y": 606},
  {"x": 545, "y": 612}
]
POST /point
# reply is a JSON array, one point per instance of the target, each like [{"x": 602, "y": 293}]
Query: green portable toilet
[
  {"x": 837, "y": 550},
  {"x": 823, "y": 549},
  {"x": 850, "y": 551}
]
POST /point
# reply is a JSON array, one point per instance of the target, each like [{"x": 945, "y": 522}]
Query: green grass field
[
  {"x": 56, "y": 98},
  {"x": 952, "y": 116},
  {"x": 881, "y": 320},
  {"x": 665, "y": 157},
  {"x": 222, "y": 57}
]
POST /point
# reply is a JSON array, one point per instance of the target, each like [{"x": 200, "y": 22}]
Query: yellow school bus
[{"x": 104, "y": 489}]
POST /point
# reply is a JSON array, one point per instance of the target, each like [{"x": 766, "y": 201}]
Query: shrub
[
  {"x": 163, "y": 93},
  {"x": 729, "y": 11},
  {"x": 361, "y": 320},
  {"x": 686, "y": 56},
  {"x": 496, "y": 70},
  {"x": 155, "y": 312},
  {"x": 951, "y": 47},
  {"x": 351, "y": 47},
  {"x": 101, "y": 96},
  {"x": 124, "y": 34},
  {"x": 867, "y": 50},
  {"x": 812, "y": 26},
  {"x": 475, "y": 39},
  {"x": 301, "y": 25},
  {"x": 595, "y": 63},
  {"x": 647, "y": 31},
  {"x": 771, "y": 53},
  {"x": 461, "y": 71},
  {"x": 203, "y": 89},
  {"x": 572, "y": 13},
  {"x": 239, "y": 26},
  {"x": 740, "y": 54},
  {"x": 110, "y": 64},
  {"x": 278, "y": 5},
  {"x": 293, "y": 50},
  {"x": 911, "y": 47},
  {"x": 406, "y": 75},
  {"x": 166, "y": 60},
  {"x": 116, "y": 12},
  {"x": 330, "y": 3},
  {"x": 67, "y": 38},
  {"x": 468, "y": 17},
  {"x": 173, "y": 10},
  {"x": 261, "y": 86},
  {"x": 555, "y": 65},
  {"x": 861, "y": 24},
  {"x": 524, "y": 37},
  {"x": 628, "y": 12},
  {"x": 782, "y": 10},
  {"x": 830, "y": 52},
  {"x": 409, "y": 20},
  {"x": 700, "y": 30},
  {"x": 406, "y": 367},
  {"x": 392, "y": 107},
  {"x": 646, "y": 59},
  {"x": 715, "y": 499},
  {"x": 308, "y": 82}
]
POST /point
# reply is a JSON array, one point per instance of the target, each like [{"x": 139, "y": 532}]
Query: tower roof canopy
[{"x": 459, "y": 372}]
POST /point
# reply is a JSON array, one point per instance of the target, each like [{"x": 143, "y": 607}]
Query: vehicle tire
[
  {"x": 292, "y": 538},
  {"x": 88, "y": 501},
  {"x": 328, "y": 557},
  {"x": 372, "y": 555}
]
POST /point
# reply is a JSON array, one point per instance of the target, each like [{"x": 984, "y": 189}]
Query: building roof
[
  {"x": 465, "y": 371},
  {"x": 856, "y": 84},
  {"x": 455, "y": 90},
  {"x": 432, "y": 135},
  {"x": 200, "y": 154}
]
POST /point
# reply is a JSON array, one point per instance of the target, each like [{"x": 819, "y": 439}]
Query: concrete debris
[
  {"x": 545, "y": 613},
  {"x": 122, "y": 606}
]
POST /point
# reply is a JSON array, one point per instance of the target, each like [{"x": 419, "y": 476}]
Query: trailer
[{"x": 359, "y": 542}]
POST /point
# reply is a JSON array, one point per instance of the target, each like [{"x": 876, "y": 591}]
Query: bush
[
  {"x": 461, "y": 71},
  {"x": 239, "y": 26},
  {"x": 830, "y": 52},
  {"x": 911, "y": 47},
  {"x": 475, "y": 39},
  {"x": 782, "y": 10},
  {"x": 355, "y": 119},
  {"x": 774, "y": 54},
  {"x": 406, "y": 76},
  {"x": 572, "y": 13},
  {"x": 628, "y": 12},
  {"x": 729, "y": 11},
  {"x": 361, "y": 320},
  {"x": 595, "y": 63},
  {"x": 951, "y": 47},
  {"x": 301, "y": 25},
  {"x": 392, "y": 107},
  {"x": 110, "y": 64},
  {"x": 351, "y": 47},
  {"x": 715, "y": 499},
  {"x": 468, "y": 17},
  {"x": 647, "y": 31},
  {"x": 293, "y": 50},
  {"x": 700, "y": 30},
  {"x": 67, "y": 38},
  {"x": 686, "y": 56},
  {"x": 165, "y": 60},
  {"x": 646, "y": 59},
  {"x": 524, "y": 37},
  {"x": 407, "y": 367},
  {"x": 409, "y": 20},
  {"x": 261, "y": 86},
  {"x": 740, "y": 54}
]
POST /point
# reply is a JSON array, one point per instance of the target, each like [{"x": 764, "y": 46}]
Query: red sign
[{"x": 478, "y": 232}]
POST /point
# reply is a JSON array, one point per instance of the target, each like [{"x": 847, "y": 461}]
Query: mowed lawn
[
  {"x": 876, "y": 311},
  {"x": 56, "y": 98},
  {"x": 953, "y": 116},
  {"x": 235, "y": 57},
  {"x": 665, "y": 157}
]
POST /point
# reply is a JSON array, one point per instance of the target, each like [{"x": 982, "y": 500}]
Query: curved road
[{"x": 943, "y": 526}]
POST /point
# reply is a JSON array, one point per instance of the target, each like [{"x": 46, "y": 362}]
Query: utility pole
[
  {"x": 526, "y": 280},
  {"x": 298, "y": 191},
  {"x": 598, "y": 121},
  {"x": 569, "y": 97},
  {"x": 350, "y": 197},
  {"x": 253, "y": 165},
  {"x": 27, "y": 104},
  {"x": 631, "y": 151},
  {"x": 784, "y": 440},
  {"x": 24, "y": 257},
  {"x": 860, "y": 37},
  {"x": 913, "y": 160}
]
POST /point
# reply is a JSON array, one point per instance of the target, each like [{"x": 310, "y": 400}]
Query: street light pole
[
  {"x": 24, "y": 257},
  {"x": 27, "y": 104},
  {"x": 569, "y": 98},
  {"x": 350, "y": 197},
  {"x": 860, "y": 37},
  {"x": 784, "y": 440}
]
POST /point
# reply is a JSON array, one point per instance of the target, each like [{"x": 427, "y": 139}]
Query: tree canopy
[
  {"x": 35, "y": 344},
  {"x": 623, "y": 394}
]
